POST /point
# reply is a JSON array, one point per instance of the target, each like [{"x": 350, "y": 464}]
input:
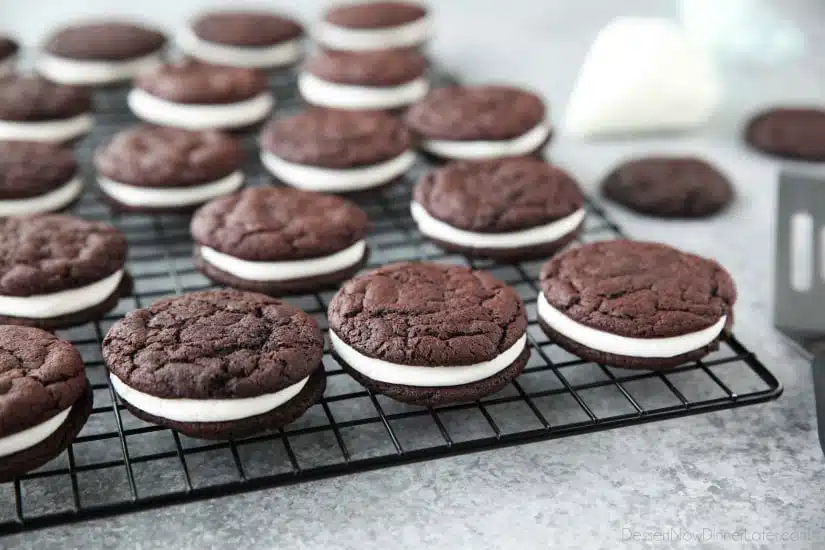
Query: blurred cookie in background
[
  {"x": 363, "y": 26},
  {"x": 37, "y": 177},
  {"x": 789, "y": 132},
  {"x": 8, "y": 55}
]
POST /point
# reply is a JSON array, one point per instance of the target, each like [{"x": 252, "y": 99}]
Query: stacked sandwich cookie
[
  {"x": 45, "y": 398},
  {"x": 364, "y": 26},
  {"x": 429, "y": 334},
  {"x": 217, "y": 364},
  {"x": 635, "y": 304},
  {"x": 34, "y": 109}
]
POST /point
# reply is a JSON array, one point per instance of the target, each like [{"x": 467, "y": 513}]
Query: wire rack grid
[{"x": 120, "y": 464}]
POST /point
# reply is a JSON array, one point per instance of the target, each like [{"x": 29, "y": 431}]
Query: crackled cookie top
[
  {"x": 797, "y": 133},
  {"x": 248, "y": 29},
  {"x": 40, "y": 376},
  {"x": 375, "y": 15},
  {"x": 42, "y": 254},
  {"x": 638, "y": 289},
  {"x": 428, "y": 314},
  {"x": 279, "y": 224},
  {"x": 29, "y": 169},
  {"x": 464, "y": 113},
  {"x": 331, "y": 138},
  {"x": 212, "y": 345},
  {"x": 376, "y": 68},
  {"x": 498, "y": 196},
  {"x": 104, "y": 41},
  {"x": 32, "y": 99},
  {"x": 155, "y": 156},
  {"x": 193, "y": 82},
  {"x": 670, "y": 187}
]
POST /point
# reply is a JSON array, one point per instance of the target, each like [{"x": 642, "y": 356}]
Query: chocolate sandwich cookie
[
  {"x": 197, "y": 96},
  {"x": 8, "y": 55},
  {"x": 363, "y": 26},
  {"x": 385, "y": 79},
  {"x": 506, "y": 209},
  {"x": 336, "y": 151},
  {"x": 158, "y": 169},
  {"x": 429, "y": 334},
  {"x": 37, "y": 177},
  {"x": 45, "y": 398},
  {"x": 635, "y": 304},
  {"x": 99, "y": 53},
  {"x": 253, "y": 39},
  {"x": 280, "y": 240},
  {"x": 58, "y": 271},
  {"x": 479, "y": 122},
  {"x": 794, "y": 133},
  {"x": 217, "y": 364},
  {"x": 34, "y": 109},
  {"x": 669, "y": 187}
]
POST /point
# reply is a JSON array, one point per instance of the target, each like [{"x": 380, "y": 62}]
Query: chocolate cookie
[
  {"x": 255, "y": 39},
  {"x": 36, "y": 177},
  {"x": 479, "y": 122},
  {"x": 794, "y": 133},
  {"x": 384, "y": 79},
  {"x": 363, "y": 26},
  {"x": 280, "y": 240},
  {"x": 635, "y": 304},
  {"x": 429, "y": 334},
  {"x": 669, "y": 187},
  {"x": 199, "y": 96},
  {"x": 337, "y": 151},
  {"x": 507, "y": 209},
  {"x": 45, "y": 398},
  {"x": 100, "y": 52},
  {"x": 157, "y": 169},
  {"x": 34, "y": 109},
  {"x": 8, "y": 55},
  {"x": 243, "y": 363},
  {"x": 58, "y": 271}
]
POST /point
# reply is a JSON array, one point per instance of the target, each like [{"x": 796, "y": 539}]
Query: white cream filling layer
[
  {"x": 47, "y": 306},
  {"x": 287, "y": 270},
  {"x": 132, "y": 195},
  {"x": 28, "y": 438},
  {"x": 7, "y": 65},
  {"x": 278, "y": 55},
  {"x": 83, "y": 72},
  {"x": 56, "y": 131},
  {"x": 393, "y": 373},
  {"x": 205, "y": 410},
  {"x": 200, "y": 117},
  {"x": 401, "y": 36},
  {"x": 478, "y": 150},
  {"x": 344, "y": 96},
  {"x": 331, "y": 180},
  {"x": 623, "y": 345},
  {"x": 48, "y": 202},
  {"x": 553, "y": 231}
]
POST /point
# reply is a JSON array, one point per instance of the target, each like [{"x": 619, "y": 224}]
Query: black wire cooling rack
[{"x": 120, "y": 464}]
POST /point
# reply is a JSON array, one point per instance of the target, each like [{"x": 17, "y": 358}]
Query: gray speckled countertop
[{"x": 757, "y": 469}]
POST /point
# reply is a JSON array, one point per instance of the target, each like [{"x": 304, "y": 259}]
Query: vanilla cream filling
[
  {"x": 331, "y": 180},
  {"x": 346, "y": 96},
  {"x": 277, "y": 55},
  {"x": 205, "y": 410},
  {"x": 28, "y": 438},
  {"x": 393, "y": 373},
  {"x": 200, "y": 117},
  {"x": 59, "y": 130},
  {"x": 401, "y": 36},
  {"x": 132, "y": 195},
  {"x": 285, "y": 270},
  {"x": 479, "y": 150},
  {"x": 622, "y": 345},
  {"x": 47, "y": 306},
  {"x": 48, "y": 202},
  {"x": 79, "y": 72},
  {"x": 548, "y": 233}
]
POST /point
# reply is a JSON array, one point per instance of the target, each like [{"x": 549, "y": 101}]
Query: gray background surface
[{"x": 758, "y": 469}]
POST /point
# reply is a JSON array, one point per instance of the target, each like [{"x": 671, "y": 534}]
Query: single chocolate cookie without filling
[
  {"x": 45, "y": 398},
  {"x": 507, "y": 209},
  {"x": 794, "y": 133},
  {"x": 635, "y": 304},
  {"x": 364, "y": 26},
  {"x": 429, "y": 334},
  {"x": 335, "y": 151},
  {"x": 217, "y": 364}
]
